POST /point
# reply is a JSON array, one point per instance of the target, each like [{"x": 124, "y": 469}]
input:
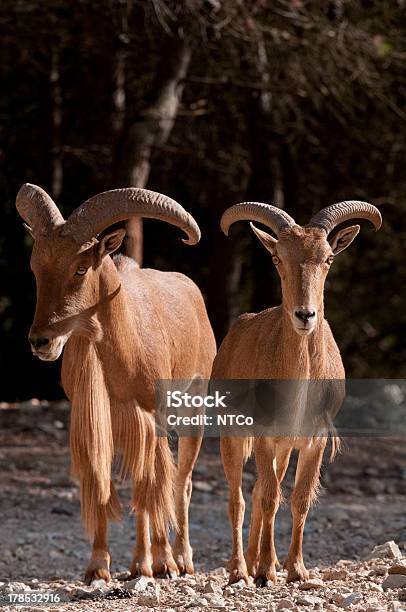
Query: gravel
[{"x": 353, "y": 540}]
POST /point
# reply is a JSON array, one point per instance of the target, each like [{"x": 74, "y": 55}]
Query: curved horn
[
  {"x": 110, "y": 207},
  {"x": 271, "y": 216},
  {"x": 328, "y": 218},
  {"x": 37, "y": 208}
]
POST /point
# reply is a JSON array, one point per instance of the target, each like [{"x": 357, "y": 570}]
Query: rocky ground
[{"x": 42, "y": 547}]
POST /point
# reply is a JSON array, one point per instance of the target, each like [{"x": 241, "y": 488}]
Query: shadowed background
[{"x": 299, "y": 104}]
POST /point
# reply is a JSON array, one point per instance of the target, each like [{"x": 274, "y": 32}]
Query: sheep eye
[
  {"x": 81, "y": 271},
  {"x": 330, "y": 259},
  {"x": 275, "y": 259}
]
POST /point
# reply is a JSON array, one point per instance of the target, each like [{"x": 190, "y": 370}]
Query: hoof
[
  {"x": 296, "y": 572},
  {"x": 184, "y": 566},
  {"x": 97, "y": 575},
  {"x": 163, "y": 563},
  {"x": 236, "y": 576},
  {"x": 141, "y": 568},
  {"x": 185, "y": 572},
  {"x": 168, "y": 575},
  {"x": 262, "y": 583}
]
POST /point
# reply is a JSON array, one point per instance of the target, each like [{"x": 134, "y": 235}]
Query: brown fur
[
  {"x": 123, "y": 328},
  {"x": 279, "y": 349}
]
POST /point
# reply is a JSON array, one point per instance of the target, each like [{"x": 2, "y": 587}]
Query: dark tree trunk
[
  {"x": 266, "y": 183},
  {"x": 56, "y": 118},
  {"x": 273, "y": 180},
  {"x": 149, "y": 131},
  {"x": 223, "y": 265}
]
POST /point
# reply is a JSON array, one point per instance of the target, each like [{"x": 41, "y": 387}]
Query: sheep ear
[
  {"x": 267, "y": 240},
  {"x": 111, "y": 242},
  {"x": 342, "y": 239}
]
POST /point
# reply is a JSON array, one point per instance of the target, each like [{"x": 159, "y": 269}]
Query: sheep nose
[
  {"x": 37, "y": 343},
  {"x": 304, "y": 315}
]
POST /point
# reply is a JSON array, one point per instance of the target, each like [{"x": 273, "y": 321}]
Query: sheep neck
[{"x": 119, "y": 347}]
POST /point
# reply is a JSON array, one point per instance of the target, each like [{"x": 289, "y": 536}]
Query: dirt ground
[{"x": 42, "y": 545}]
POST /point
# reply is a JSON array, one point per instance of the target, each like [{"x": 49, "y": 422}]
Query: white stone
[
  {"x": 351, "y": 599},
  {"x": 196, "y": 603},
  {"x": 285, "y": 604},
  {"x": 379, "y": 569},
  {"x": 228, "y": 591},
  {"x": 187, "y": 590},
  {"x": 389, "y": 550},
  {"x": 308, "y": 600},
  {"x": 98, "y": 584},
  {"x": 150, "y": 597},
  {"x": 205, "y": 487},
  {"x": 138, "y": 584},
  {"x": 398, "y": 567},
  {"x": 313, "y": 583},
  {"x": 15, "y": 587},
  {"x": 87, "y": 593},
  {"x": 211, "y": 587},
  {"x": 372, "y": 586},
  {"x": 217, "y": 603},
  {"x": 239, "y": 585},
  {"x": 335, "y": 574}
]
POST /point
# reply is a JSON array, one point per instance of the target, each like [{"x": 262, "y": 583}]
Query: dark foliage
[{"x": 294, "y": 102}]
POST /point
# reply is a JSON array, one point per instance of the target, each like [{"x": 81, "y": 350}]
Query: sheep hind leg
[
  {"x": 142, "y": 558},
  {"x": 304, "y": 493},
  {"x": 163, "y": 562},
  {"x": 282, "y": 464},
  {"x": 188, "y": 451},
  {"x": 265, "y": 458},
  {"x": 254, "y": 538},
  {"x": 232, "y": 452}
]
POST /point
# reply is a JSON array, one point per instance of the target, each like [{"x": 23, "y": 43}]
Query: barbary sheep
[
  {"x": 122, "y": 329},
  {"x": 292, "y": 342}
]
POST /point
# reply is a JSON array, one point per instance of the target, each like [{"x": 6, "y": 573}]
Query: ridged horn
[
  {"x": 271, "y": 216},
  {"x": 37, "y": 209},
  {"x": 331, "y": 216},
  {"x": 110, "y": 207}
]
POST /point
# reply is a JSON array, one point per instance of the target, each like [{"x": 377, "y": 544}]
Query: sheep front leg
[
  {"x": 99, "y": 565},
  {"x": 265, "y": 458},
  {"x": 188, "y": 451},
  {"x": 232, "y": 453},
  {"x": 254, "y": 540},
  {"x": 142, "y": 559},
  {"x": 304, "y": 493},
  {"x": 96, "y": 517}
]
